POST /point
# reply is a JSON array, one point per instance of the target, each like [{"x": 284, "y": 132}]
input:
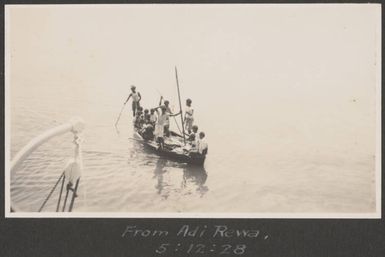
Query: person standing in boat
[
  {"x": 169, "y": 114},
  {"x": 162, "y": 121},
  {"x": 147, "y": 130},
  {"x": 136, "y": 97},
  {"x": 188, "y": 116},
  {"x": 146, "y": 116},
  {"x": 202, "y": 145},
  {"x": 159, "y": 126}
]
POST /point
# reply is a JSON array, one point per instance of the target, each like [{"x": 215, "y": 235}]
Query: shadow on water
[
  {"x": 196, "y": 175},
  {"x": 160, "y": 169},
  {"x": 193, "y": 176}
]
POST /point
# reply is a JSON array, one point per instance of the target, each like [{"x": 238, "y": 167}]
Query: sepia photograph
[{"x": 193, "y": 110}]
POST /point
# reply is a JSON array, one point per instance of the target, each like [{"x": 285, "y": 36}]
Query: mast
[{"x": 180, "y": 105}]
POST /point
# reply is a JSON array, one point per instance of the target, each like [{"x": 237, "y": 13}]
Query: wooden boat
[
  {"x": 173, "y": 146},
  {"x": 172, "y": 150}
]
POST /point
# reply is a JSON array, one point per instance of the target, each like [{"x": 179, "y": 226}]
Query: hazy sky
[{"x": 247, "y": 46}]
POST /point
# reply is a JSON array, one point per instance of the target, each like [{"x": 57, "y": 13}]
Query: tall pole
[{"x": 180, "y": 105}]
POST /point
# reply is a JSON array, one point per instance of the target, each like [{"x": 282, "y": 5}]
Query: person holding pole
[
  {"x": 168, "y": 114},
  {"x": 161, "y": 124},
  {"x": 136, "y": 97}
]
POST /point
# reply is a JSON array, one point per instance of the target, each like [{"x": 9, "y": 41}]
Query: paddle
[
  {"x": 135, "y": 139},
  {"x": 120, "y": 114}
]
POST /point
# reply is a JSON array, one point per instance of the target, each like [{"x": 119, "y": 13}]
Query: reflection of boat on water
[
  {"x": 196, "y": 174},
  {"x": 193, "y": 177},
  {"x": 172, "y": 149},
  {"x": 158, "y": 172}
]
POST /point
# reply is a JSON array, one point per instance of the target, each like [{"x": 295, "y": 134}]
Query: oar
[
  {"x": 120, "y": 114},
  {"x": 135, "y": 139}
]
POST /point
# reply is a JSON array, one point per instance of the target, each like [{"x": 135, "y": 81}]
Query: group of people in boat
[{"x": 154, "y": 124}]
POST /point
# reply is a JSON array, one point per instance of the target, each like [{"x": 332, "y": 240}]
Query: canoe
[{"x": 172, "y": 151}]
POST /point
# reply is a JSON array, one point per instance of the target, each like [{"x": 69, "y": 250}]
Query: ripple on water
[{"x": 258, "y": 173}]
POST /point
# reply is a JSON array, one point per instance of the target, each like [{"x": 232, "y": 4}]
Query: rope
[
  {"x": 66, "y": 197},
  {"x": 62, "y": 176},
  {"x": 68, "y": 188},
  {"x": 177, "y": 125},
  {"x": 61, "y": 193},
  {"x": 77, "y": 142},
  {"x": 74, "y": 194},
  {"x": 50, "y": 193}
]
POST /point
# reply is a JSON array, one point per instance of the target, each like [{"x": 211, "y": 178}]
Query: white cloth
[
  {"x": 135, "y": 96},
  {"x": 159, "y": 130},
  {"x": 153, "y": 118},
  {"x": 163, "y": 119},
  {"x": 189, "y": 112},
  {"x": 159, "y": 127},
  {"x": 201, "y": 145}
]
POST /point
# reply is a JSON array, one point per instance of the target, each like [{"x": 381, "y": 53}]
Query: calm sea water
[{"x": 263, "y": 157}]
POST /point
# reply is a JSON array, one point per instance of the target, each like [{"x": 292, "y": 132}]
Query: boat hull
[{"x": 193, "y": 159}]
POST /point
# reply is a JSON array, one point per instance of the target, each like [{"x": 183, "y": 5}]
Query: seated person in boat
[
  {"x": 139, "y": 120},
  {"x": 188, "y": 116},
  {"x": 192, "y": 139},
  {"x": 146, "y": 116},
  {"x": 153, "y": 117},
  {"x": 193, "y": 136},
  {"x": 191, "y": 145},
  {"x": 201, "y": 147},
  {"x": 147, "y": 131}
]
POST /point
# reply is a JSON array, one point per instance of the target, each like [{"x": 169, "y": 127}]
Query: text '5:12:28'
[{"x": 237, "y": 249}]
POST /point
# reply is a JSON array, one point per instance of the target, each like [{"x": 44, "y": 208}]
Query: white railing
[{"x": 75, "y": 125}]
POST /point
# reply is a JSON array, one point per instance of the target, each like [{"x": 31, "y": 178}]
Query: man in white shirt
[
  {"x": 188, "y": 116},
  {"x": 202, "y": 144},
  {"x": 136, "y": 97}
]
